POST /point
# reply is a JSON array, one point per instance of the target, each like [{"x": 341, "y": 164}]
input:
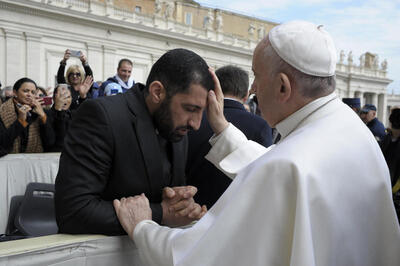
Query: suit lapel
[{"x": 146, "y": 137}]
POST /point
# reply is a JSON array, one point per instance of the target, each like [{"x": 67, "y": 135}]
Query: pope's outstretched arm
[{"x": 231, "y": 151}]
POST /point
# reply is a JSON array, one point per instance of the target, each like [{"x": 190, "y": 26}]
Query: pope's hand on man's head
[
  {"x": 179, "y": 207},
  {"x": 215, "y": 106},
  {"x": 131, "y": 211}
]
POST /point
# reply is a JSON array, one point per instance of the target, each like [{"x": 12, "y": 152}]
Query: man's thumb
[{"x": 116, "y": 204}]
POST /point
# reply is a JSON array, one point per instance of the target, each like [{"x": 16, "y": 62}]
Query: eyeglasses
[{"x": 75, "y": 74}]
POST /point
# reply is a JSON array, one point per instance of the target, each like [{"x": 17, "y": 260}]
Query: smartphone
[
  {"x": 75, "y": 53},
  {"x": 47, "y": 100}
]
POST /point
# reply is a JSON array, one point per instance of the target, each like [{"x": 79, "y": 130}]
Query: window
[
  {"x": 138, "y": 9},
  {"x": 188, "y": 18}
]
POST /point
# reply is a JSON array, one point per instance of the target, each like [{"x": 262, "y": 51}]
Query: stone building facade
[{"x": 35, "y": 33}]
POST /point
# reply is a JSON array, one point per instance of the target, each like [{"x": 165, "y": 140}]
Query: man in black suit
[
  {"x": 134, "y": 143},
  {"x": 210, "y": 181}
]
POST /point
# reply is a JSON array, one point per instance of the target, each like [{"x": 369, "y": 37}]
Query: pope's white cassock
[{"x": 321, "y": 196}]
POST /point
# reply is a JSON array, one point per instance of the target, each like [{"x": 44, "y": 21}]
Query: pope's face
[{"x": 264, "y": 86}]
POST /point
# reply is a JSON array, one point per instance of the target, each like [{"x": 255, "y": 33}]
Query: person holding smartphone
[
  {"x": 61, "y": 115},
  {"x": 24, "y": 124},
  {"x": 74, "y": 77}
]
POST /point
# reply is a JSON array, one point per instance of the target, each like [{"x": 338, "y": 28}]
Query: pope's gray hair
[{"x": 308, "y": 86}]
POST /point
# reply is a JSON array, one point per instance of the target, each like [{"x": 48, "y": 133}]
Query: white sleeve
[
  {"x": 231, "y": 151},
  {"x": 154, "y": 243}
]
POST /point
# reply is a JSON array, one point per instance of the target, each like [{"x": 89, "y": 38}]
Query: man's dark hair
[
  {"x": 234, "y": 81},
  {"x": 124, "y": 60},
  {"x": 21, "y": 81},
  {"x": 177, "y": 70}
]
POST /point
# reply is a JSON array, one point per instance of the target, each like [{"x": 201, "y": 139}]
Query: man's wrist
[{"x": 221, "y": 127}]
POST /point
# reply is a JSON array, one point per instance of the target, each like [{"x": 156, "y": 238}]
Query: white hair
[{"x": 308, "y": 86}]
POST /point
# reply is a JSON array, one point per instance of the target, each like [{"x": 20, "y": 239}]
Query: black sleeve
[
  {"x": 60, "y": 74},
  {"x": 47, "y": 134},
  {"x": 88, "y": 70},
  {"x": 8, "y": 135},
  {"x": 156, "y": 212},
  {"x": 60, "y": 121},
  {"x": 85, "y": 166}
]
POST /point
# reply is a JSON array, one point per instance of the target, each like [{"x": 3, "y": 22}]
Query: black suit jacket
[
  {"x": 210, "y": 181},
  {"x": 111, "y": 151}
]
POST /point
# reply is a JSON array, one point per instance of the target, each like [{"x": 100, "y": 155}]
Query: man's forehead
[
  {"x": 126, "y": 65},
  {"x": 195, "y": 94}
]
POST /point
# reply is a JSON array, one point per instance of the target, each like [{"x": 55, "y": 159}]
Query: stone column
[
  {"x": 3, "y": 54},
  {"x": 33, "y": 58},
  {"x": 109, "y": 65},
  {"x": 360, "y": 94},
  {"x": 375, "y": 99},
  {"x": 14, "y": 56},
  {"x": 382, "y": 108},
  {"x": 95, "y": 59}
]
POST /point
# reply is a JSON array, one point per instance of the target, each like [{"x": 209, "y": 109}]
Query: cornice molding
[{"x": 40, "y": 10}]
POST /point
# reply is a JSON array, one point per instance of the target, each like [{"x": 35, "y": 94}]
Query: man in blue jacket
[{"x": 368, "y": 115}]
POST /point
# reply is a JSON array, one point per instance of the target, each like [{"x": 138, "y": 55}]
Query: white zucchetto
[{"x": 305, "y": 46}]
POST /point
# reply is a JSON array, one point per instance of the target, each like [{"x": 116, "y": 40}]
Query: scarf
[
  {"x": 124, "y": 85},
  {"x": 9, "y": 116}
]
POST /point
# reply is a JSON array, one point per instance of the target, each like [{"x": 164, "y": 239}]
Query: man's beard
[{"x": 163, "y": 121}]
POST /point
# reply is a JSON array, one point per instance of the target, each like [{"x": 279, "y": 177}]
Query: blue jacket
[
  {"x": 108, "y": 81},
  {"x": 377, "y": 129}
]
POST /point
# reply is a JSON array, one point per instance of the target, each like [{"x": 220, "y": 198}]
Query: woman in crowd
[
  {"x": 75, "y": 76},
  {"x": 390, "y": 146},
  {"x": 61, "y": 115},
  {"x": 61, "y": 112},
  {"x": 24, "y": 125}
]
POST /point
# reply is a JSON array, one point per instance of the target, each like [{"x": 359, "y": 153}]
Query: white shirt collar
[
  {"x": 232, "y": 99},
  {"x": 287, "y": 125}
]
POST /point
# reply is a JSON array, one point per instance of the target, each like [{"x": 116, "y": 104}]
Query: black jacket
[
  {"x": 60, "y": 122},
  {"x": 391, "y": 151},
  {"x": 111, "y": 151},
  {"x": 210, "y": 181}
]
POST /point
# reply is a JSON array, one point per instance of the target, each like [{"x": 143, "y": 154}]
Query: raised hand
[
  {"x": 84, "y": 87},
  {"x": 62, "y": 99},
  {"x": 37, "y": 107},
  {"x": 23, "y": 111},
  {"x": 67, "y": 55},
  {"x": 215, "y": 106},
  {"x": 83, "y": 58}
]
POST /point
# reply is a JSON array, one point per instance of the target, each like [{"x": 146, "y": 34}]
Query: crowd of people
[
  {"x": 34, "y": 119},
  {"x": 127, "y": 165}
]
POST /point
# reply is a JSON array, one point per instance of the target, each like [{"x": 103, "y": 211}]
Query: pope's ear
[
  {"x": 286, "y": 89},
  {"x": 156, "y": 92}
]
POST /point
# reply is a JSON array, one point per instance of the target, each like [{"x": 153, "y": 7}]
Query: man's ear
[
  {"x": 286, "y": 89},
  {"x": 157, "y": 92}
]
